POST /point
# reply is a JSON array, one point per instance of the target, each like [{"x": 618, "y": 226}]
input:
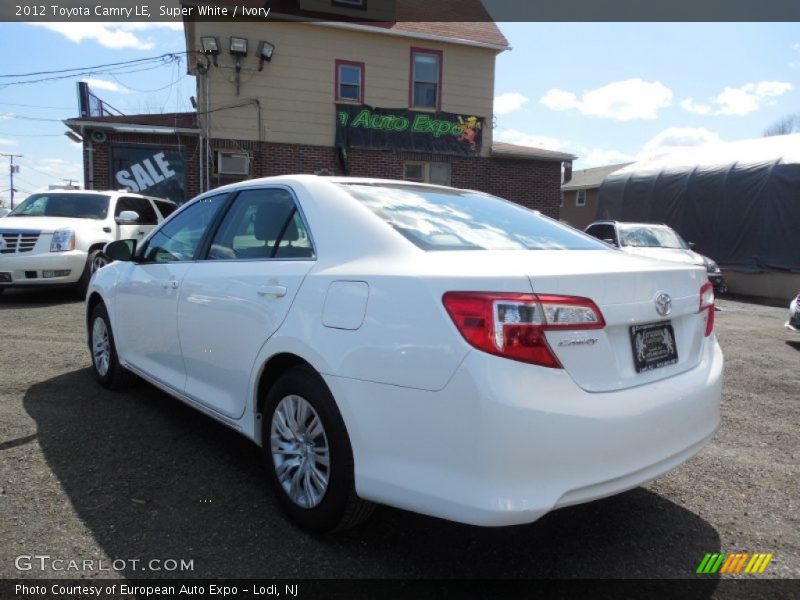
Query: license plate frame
[{"x": 653, "y": 346}]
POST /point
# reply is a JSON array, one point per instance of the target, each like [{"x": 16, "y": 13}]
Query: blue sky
[{"x": 603, "y": 91}]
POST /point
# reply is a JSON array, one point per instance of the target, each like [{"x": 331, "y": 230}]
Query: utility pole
[{"x": 12, "y": 168}]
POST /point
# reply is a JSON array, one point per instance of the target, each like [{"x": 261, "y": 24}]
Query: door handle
[
  {"x": 141, "y": 233},
  {"x": 279, "y": 291},
  {"x": 171, "y": 284}
]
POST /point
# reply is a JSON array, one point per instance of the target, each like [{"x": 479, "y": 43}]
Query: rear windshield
[
  {"x": 78, "y": 206},
  {"x": 447, "y": 219}
]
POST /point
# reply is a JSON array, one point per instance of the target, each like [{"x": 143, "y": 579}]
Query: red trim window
[
  {"x": 349, "y": 81},
  {"x": 425, "y": 79}
]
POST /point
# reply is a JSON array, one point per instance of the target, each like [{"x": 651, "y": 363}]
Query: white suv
[{"x": 57, "y": 238}]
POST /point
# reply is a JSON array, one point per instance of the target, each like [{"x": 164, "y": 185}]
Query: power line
[
  {"x": 36, "y": 106},
  {"x": 24, "y": 135},
  {"x": 114, "y": 64},
  {"x": 163, "y": 60}
]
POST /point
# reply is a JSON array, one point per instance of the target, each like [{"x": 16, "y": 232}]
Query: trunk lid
[{"x": 625, "y": 288}]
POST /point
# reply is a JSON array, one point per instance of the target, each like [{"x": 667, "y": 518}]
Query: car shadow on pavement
[
  {"x": 42, "y": 298},
  {"x": 154, "y": 479},
  {"x": 794, "y": 344}
]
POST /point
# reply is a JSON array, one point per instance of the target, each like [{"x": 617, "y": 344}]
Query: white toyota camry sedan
[{"x": 434, "y": 349}]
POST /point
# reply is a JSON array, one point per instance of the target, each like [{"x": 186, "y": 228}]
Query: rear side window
[
  {"x": 142, "y": 206},
  {"x": 447, "y": 219},
  {"x": 165, "y": 208},
  {"x": 261, "y": 224}
]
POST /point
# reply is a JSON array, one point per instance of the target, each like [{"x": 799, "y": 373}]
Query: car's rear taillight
[
  {"x": 707, "y": 303},
  {"x": 513, "y": 325}
]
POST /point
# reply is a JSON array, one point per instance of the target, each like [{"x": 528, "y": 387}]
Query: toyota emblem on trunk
[{"x": 663, "y": 303}]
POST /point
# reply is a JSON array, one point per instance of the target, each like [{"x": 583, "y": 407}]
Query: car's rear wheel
[
  {"x": 308, "y": 454},
  {"x": 106, "y": 366}
]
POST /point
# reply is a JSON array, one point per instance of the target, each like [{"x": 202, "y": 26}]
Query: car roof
[
  {"x": 103, "y": 193},
  {"x": 613, "y": 222},
  {"x": 305, "y": 178}
]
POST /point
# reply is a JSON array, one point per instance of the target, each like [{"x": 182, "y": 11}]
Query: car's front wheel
[
  {"x": 94, "y": 262},
  {"x": 106, "y": 366},
  {"x": 308, "y": 454}
]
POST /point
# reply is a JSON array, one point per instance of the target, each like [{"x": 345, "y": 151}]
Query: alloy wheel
[
  {"x": 101, "y": 346},
  {"x": 300, "y": 451}
]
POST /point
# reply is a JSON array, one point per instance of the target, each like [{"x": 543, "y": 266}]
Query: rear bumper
[
  {"x": 27, "y": 270},
  {"x": 504, "y": 443}
]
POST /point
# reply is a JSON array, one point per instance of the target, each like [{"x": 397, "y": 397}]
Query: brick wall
[{"x": 532, "y": 183}]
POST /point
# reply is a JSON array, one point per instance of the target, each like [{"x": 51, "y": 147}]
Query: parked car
[
  {"x": 434, "y": 349},
  {"x": 656, "y": 241},
  {"x": 4, "y": 212},
  {"x": 794, "y": 315},
  {"x": 57, "y": 238}
]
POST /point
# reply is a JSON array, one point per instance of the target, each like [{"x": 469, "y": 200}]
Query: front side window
[
  {"x": 261, "y": 224},
  {"x": 602, "y": 232},
  {"x": 449, "y": 219},
  {"x": 77, "y": 206},
  {"x": 349, "y": 81},
  {"x": 179, "y": 239},
  {"x": 426, "y": 79},
  {"x": 141, "y": 206}
]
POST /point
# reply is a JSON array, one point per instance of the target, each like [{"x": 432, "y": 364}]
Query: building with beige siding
[{"x": 366, "y": 96}]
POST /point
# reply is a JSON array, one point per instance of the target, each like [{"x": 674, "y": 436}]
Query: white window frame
[
  {"x": 426, "y": 171},
  {"x": 580, "y": 197}
]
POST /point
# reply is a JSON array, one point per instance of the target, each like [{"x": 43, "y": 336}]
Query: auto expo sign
[
  {"x": 359, "y": 126},
  {"x": 151, "y": 171}
]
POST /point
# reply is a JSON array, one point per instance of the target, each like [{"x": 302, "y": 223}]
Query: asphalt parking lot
[{"x": 87, "y": 474}]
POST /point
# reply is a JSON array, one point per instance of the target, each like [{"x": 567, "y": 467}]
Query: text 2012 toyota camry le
[{"x": 434, "y": 349}]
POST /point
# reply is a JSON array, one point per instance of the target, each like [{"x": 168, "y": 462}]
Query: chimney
[{"x": 567, "y": 171}]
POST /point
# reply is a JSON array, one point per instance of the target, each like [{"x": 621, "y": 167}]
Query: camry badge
[
  {"x": 579, "y": 342},
  {"x": 663, "y": 303}
]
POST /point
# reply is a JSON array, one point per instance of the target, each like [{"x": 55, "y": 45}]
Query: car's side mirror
[
  {"x": 120, "y": 250},
  {"x": 127, "y": 217}
]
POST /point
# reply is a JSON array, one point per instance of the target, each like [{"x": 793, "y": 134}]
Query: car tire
[
  {"x": 95, "y": 261},
  {"x": 105, "y": 364},
  {"x": 297, "y": 475}
]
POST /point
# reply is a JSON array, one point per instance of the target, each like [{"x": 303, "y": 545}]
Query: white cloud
[
  {"x": 739, "y": 101},
  {"x": 6, "y": 116},
  {"x": 627, "y": 100},
  {"x": 588, "y": 157},
  {"x": 598, "y": 157},
  {"x": 695, "y": 107},
  {"x": 7, "y": 142},
  {"x": 104, "y": 84},
  {"x": 508, "y": 103},
  {"x": 675, "y": 139},
  {"x": 111, "y": 35},
  {"x": 514, "y": 136}
]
